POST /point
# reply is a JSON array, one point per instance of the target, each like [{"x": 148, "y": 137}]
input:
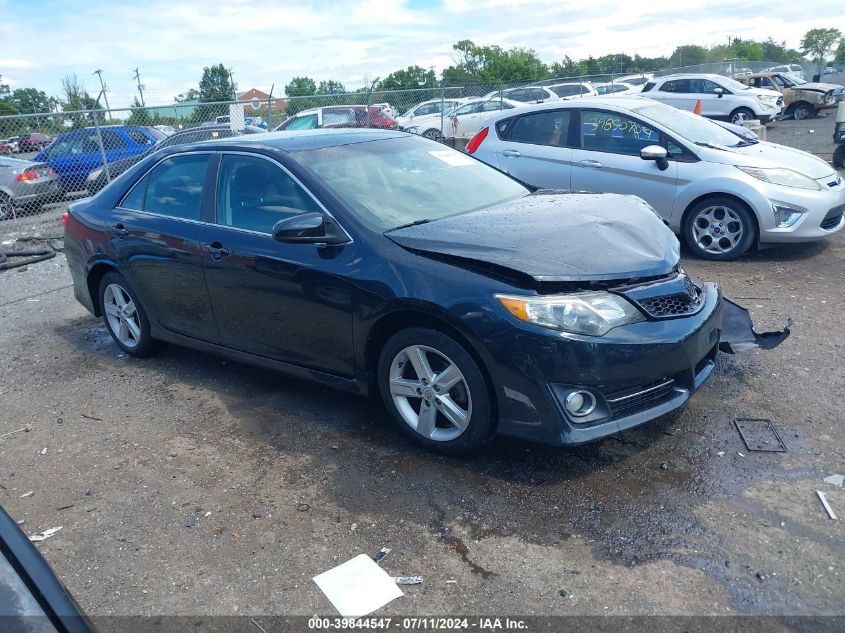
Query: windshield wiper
[
  {"x": 405, "y": 226},
  {"x": 746, "y": 143}
]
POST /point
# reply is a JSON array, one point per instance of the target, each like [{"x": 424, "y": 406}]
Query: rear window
[{"x": 648, "y": 86}]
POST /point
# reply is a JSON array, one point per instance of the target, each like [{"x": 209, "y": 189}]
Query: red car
[
  {"x": 339, "y": 116},
  {"x": 6, "y": 149},
  {"x": 33, "y": 142}
]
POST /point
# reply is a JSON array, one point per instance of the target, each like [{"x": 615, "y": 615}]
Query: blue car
[{"x": 74, "y": 155}]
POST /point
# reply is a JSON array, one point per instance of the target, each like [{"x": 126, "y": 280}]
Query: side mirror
[
  {"x": 719, "y": 91},
  {"x": 656, "y": 153},
  {"x": 308, "y": 228}
]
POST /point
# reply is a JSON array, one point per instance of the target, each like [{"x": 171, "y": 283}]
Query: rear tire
[
  {"x": 744, "y": 113},
  {"x": 434, "y": 135},
  {"x": 435, "y": 392},
  {"x": 124, "y": 315},
  {"x": 719, "y": 228}
]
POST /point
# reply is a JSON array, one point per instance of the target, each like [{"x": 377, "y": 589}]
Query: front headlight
[
  {"x": 782, "y": 176},
  {"x": 95, "y": 174},
  {"x": 592, "y": 313}
]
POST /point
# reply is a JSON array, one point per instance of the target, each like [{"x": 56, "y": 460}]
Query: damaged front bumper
[{"x": 634, "y": 373}]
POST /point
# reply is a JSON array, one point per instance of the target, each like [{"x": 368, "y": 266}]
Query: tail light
[
  {"x": 25, "y": 176},
  {"x": 477, "y": 140},
  {"x": 65, "y": 219}
]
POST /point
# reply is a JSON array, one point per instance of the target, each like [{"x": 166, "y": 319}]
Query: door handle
[
  {"x": 216, "y": 250},
  {"x": 511, "y": 152},
  {"x": 591, "y": 164},
  {"x": 120, "y": 230}
]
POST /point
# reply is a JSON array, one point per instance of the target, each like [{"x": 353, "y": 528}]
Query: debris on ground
[
  {"x": 23, "y": 428},
  {"x": 43, "y": 536},
  {"x": 408, "y": 580},
  {"x": 44, "y": 247},
  {"x": 27, "y": 494},
  {"x": 384, "y": 551},
  {"x": 358, "y": 587},
  {"x": 828, "y": 509},
  {"x": 836, "y": 480},
  {"x": 759, "y": 434}
]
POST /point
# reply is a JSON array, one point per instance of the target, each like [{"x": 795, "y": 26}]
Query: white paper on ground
[{"x": 358, "y": 587}]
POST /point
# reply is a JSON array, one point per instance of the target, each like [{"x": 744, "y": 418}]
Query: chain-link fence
[{"x": 48, "y": 159}]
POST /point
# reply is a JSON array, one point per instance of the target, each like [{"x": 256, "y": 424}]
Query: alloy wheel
[
  {"x": 122, "y": 316},
  {"x": 717, "y": 229},
  {"x": 430, "y": 393}
]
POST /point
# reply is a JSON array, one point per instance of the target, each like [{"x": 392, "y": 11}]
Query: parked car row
[
  {"x": 31, "y": 142},
  {"x": 801, "y": 99}
]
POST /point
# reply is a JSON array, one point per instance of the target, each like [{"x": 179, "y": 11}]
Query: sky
[{"x": 266, "y": 43}]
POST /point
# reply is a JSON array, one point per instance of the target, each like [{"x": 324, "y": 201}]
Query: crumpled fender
[{"x": 738, "y": 333}]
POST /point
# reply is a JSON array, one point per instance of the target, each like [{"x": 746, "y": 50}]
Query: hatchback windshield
[
  {"x": 399, "y": 181},
  {"x": 689, "y": 126}
]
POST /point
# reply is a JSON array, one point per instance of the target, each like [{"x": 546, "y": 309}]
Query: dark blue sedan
[{"x": 383, "y": 263}]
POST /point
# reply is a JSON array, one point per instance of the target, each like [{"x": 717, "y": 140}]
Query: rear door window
[
  {"x": 173, "y": 188},
  {"x": 676, "y": 86},
  {"x": 542, "y": 128},
  {"x": 616, "y": 133}
]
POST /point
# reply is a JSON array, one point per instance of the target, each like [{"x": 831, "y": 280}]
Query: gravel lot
[{"x": 187, "y": 485}]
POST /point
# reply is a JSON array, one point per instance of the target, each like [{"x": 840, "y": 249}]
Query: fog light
[
  {"x": 785, "y": 216},
  {"x": 580, "y": 403}
]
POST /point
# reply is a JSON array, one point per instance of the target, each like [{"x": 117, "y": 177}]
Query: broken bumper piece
[{"x": 738, "y": 333}]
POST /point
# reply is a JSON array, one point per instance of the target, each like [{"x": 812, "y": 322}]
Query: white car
[
  {"x": 795, "y": 69},
  {"x": 428, "y": 108},
  {"x": 525, "y": 94},
  {"x": 723, "y": 193},
  {"x": 570, "y": 90},
  {"x": 635, "y": 80},
  {"x": 461, "y": 122},
  {"x": 721, "y": 97},
  {"x": 616, "y": 88}
]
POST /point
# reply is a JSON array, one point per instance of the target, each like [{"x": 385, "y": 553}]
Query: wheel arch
[
  {"x": 95, "y": 276},
  {"x": 712, "y": 194},
  {"x": 412, "y": 316}
]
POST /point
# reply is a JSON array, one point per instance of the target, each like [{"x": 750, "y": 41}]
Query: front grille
[
  {"x": 676, "y": 296},
  {"x": 833, "y": 217},
  {"x": 640, "y": 398},
  {"x": 671, "y": 305}
]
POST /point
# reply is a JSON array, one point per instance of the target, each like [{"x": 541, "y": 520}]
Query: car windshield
[
  {"x": 689, "y": 126},
  {"x": 399, "y": 181},
  {"x": 793, "y": 80},
  {"x": 732, "y": 84}
]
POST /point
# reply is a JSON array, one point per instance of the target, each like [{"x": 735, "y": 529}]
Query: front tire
[
  {"x": 5, "y": 206},
  {"x": 435, "y": 392},
  {"x": 801, "y": 111},
  {"x": 124, "y": 315},
  {"x": 434, "y": 135},
  {"x": 719, "y": 228},
  {"x": 740, "y": 114}
]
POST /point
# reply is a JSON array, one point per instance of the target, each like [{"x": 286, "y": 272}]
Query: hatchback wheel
[
  {"x": 124, "y": 315},
  {"x": 719, "y": 228},
  {"x": 435, "y": 391},
  {"x": 742, "y": 114}
]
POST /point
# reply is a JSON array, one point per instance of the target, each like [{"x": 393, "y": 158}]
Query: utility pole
[
  {"x": 140, "y": 87},
  {"x": 234, "y": 90},
  {"x": 99, "y": 73}
]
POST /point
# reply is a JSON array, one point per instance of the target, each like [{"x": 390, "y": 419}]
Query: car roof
[
  {"x": 690, "y": 76},
  {"x": 621, "y": 102},
  {"x": 297, "y": 139}
]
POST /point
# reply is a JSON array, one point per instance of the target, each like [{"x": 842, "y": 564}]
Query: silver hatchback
[
  {"x": 722, "y": 192},
  {"x": 25, "y": 184}
]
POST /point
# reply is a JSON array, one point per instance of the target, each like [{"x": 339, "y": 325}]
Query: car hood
[
  {"x": 818, "y": 87},
  {"x": 763, "y": 154},
  {"x": 553, "y": 236}
]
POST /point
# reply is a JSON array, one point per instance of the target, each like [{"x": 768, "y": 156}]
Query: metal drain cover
[{"x": 759, "y": 434}]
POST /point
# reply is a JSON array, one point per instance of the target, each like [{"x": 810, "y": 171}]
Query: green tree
[
  {"x": 139, "y": 115},
  {"x": 76, "y": 99},
  {"x": 493, "y": 65},
  {"x": 216, "y": 84},
  {"x": 840, "y": 53},
  {"x": 331, "y": 87},
  {"x": 819, "y": 43},
  {"x": 7, "y": 107},
  {"x": 690, "y": 55},
  {"x": 191, "y": 94},
  {"x": 32, "y": 100},
  {"x": 301, "y": 87},
  {"x": 409, "y": 78}
]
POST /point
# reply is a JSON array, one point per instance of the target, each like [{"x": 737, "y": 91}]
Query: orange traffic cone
[{"x": 697, "y": 108}]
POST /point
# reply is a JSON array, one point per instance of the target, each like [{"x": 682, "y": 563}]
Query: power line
[{"x": 140, "y": 87}]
